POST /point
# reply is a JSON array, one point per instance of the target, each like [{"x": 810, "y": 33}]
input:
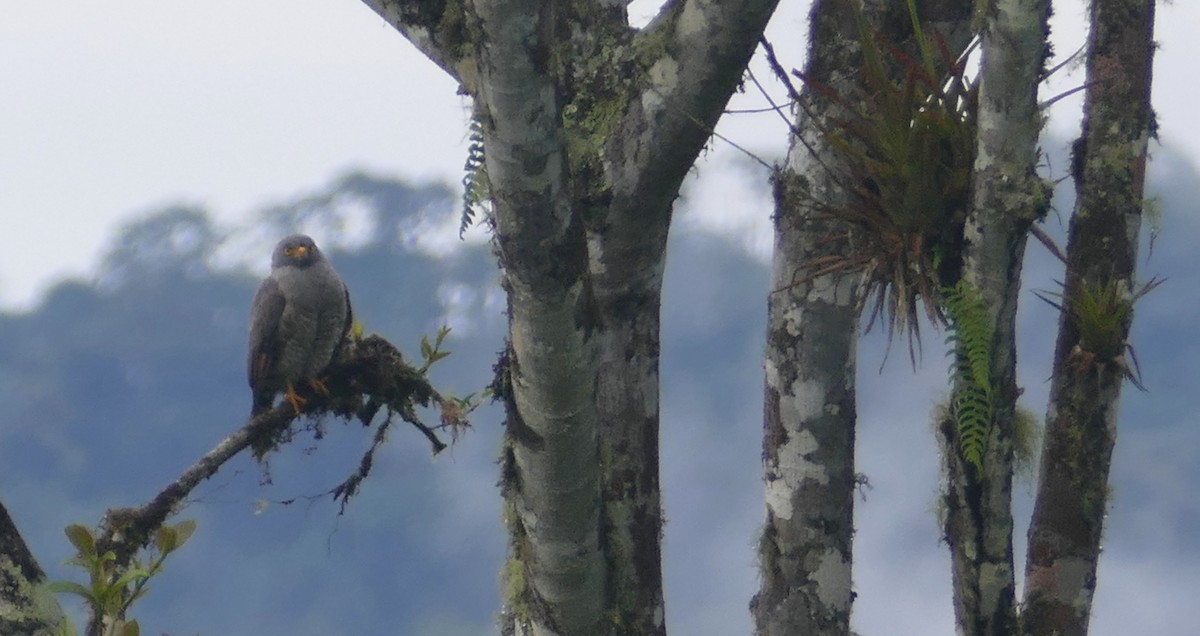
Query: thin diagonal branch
[{"x": 372, "y": 372}]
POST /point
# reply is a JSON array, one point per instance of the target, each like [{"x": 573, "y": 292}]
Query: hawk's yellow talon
[
  {"x": 318, "y": 385},
  {"x": 295, "y": 400}
]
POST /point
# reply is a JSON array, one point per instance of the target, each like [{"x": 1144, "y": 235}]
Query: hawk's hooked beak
[{"x": 300, "y": 252}]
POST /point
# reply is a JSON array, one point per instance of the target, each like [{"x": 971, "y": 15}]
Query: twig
[
  {"x": 1041, "y": 235},
  {"x": 1063, "y": 95}
]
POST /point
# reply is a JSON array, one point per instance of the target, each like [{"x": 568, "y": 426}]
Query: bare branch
[{"x": 1045, "y": 239}]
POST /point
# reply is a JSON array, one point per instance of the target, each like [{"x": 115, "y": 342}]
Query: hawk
[{"x": 300, "y": 316}]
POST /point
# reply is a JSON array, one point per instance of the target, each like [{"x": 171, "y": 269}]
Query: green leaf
[
  {"x": 71, "y": 587},
  {"x": 129, "y": 576},
  {"x": 82, "y": 538},
  {"x": 184, "y": 531},
  {"x": 166, "y": 539}
]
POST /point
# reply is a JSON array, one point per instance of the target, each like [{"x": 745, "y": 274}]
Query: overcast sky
[{"x": 110, "y": 109}]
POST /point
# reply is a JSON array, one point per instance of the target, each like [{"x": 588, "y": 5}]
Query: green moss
[
  {"x": 1027, "y": 434},
  {"x": 42, "y": 611},
  {"x": 601, "y": 83},
  {"x": 458, "y": 30},
  {"x": 618, "y": 552},
  {"x": 514, "y": 589},
  {"x": 514, "y": 584},
  {"x": 767, "y": 552}
]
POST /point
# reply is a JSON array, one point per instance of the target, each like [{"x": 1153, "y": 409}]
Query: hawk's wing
[
  {"x": 349, "y": 324},
  {"x": 265, "y": 313}
]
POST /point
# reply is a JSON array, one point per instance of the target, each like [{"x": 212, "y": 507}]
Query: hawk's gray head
[
  {"x": 297, "y": 250},
  {"x": 299, "y": 318}
]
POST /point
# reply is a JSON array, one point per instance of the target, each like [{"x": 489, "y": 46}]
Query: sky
[{"x": 111, "y": 110}]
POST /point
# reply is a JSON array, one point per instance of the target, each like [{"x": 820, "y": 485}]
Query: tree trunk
[
  {"x": 26, "y": 606},
  {"x": 812, "y": 331},
  {"x": 809, "y": 414},
  {"x": 1007, "y": 197},
  {"x": 813, "y": 328},
  {"x": 1090, "y": 364},
  {"x": 554, "y": 493},
  {"x": 589, "y": 129}
]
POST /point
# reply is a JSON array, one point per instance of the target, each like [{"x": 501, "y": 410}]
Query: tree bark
[
  {"x": 1089, "y": 368},
  {"x": 589, "y": 129},
  {"x": 1007, "y": 197},
  {"x": 809, "y": 414},
  {"x": 695, "y": 54},
  {"x": 809, "y": 410},
  {"x": 554, "y": 492},
  {"x": 26, "y": 606}
]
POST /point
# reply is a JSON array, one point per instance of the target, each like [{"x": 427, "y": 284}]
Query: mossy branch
[{"x": 370, "y": 375}]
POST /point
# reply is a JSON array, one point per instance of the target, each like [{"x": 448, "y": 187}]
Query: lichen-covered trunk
[
  {"x": 553, "y": 497},
  {"x": 809, "y": 416},
  {"x": 808, "y": 433},
  {"x": 628, "y": 293},
  {"x": 1090, "y": 364},
  {"x": 26, "y": 606},
  {"x": 589, "y": 127},
  {"x": 692, "y": 59},
  {"x": 1006, "y": 198}
]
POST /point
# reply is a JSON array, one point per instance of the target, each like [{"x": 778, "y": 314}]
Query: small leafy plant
[
  {"x": 1101, "y": 314},
  {"x": 113, "y": 588}
]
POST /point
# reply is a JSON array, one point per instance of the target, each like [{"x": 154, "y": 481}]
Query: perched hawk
[{"x": 300, "y": 316}]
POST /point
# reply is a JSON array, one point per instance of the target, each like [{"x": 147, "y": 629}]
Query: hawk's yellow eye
[{"x": 289, "y": 250}]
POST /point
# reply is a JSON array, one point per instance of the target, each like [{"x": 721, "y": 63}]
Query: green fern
[
  {"x": 970, "y": 374},
  {"x": 476, "y": 187}
]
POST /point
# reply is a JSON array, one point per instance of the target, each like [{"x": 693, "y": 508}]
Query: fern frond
[
  {"x": 970, "y": 374},
  {"x": 477, "y": 190}
]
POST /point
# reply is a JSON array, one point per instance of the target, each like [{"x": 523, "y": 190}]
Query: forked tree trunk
[
  {"x": 1007, "y": 197},
  {"x": 1090, "y": 367}
]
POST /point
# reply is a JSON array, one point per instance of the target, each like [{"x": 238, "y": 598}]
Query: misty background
[{"x": 110, "y": 386}]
